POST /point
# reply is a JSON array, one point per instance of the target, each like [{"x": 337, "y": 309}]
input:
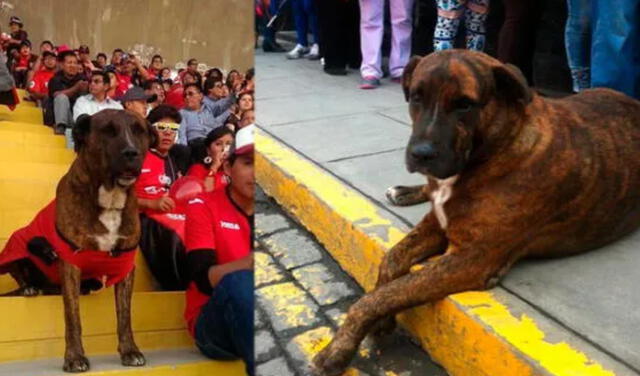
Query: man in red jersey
[
  {"x": 39, "y": 85},
  {"x": 218, "y": 240}
]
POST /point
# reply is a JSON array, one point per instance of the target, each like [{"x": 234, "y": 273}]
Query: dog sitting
[
  {"x": 510, "y": 175},
  {"x": 86, "y": 237}
]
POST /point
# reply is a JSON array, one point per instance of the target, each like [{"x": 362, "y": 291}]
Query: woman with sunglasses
[{"x": 162, "y": 228}]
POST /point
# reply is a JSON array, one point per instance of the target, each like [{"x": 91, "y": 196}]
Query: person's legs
[
  {"x": 578, "y": 42},
  {"x": 449, "y": 14},
  {"x": 475, "y": 18},
  {"x": 351, "y": 26},
  {"x": 517, "y": 39},
  {"x": 224, "y": 329},
  {"x": 615, "y": 60},
  {"x": 62, "y": 115},
  {"x": 269, "y": 37},
  {"x": 371, "y": 29},
  {"x": 301, "y": 20},
  {"x": 400, "y": 35},
  {"x": 310, "y": 10}
]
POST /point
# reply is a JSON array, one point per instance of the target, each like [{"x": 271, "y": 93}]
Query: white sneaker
[
  {"x": 314, "y": 52},
  {"x": 297, "y": 52}
]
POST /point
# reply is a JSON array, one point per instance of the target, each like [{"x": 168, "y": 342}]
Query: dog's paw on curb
[
  {"x": 133, "y": 359},
  {"x": 76, "y": 364}
]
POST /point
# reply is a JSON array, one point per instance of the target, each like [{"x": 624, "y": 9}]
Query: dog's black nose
[
  {"x": 130, "y": 153},
  {"x": 424, "y": 151}
]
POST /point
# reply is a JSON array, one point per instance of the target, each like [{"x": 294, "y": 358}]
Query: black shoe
[
  {"x": 271, "y": 46},
  {"x": 335, "y": 71},
  {"x": 59, "y": 128}
]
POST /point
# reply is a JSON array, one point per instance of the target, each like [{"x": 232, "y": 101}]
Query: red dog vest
[{"x": 100, "y": 265}]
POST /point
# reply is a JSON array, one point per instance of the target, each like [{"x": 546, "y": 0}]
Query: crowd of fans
[
  {"x": 601, "y": 40},
  {"x": 196, "y": 186}
]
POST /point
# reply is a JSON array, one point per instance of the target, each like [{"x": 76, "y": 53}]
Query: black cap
[
  {"x": 15, "y": 20},
  {"x": 136, "y": 93}
]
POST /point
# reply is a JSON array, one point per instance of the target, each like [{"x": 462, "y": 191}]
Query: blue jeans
[
  {"x": 615, "y": 52},
  {"x": 578, "y": 42},
  {"x": 305, "y": 16},
  {"x": 224, "y": 329}
]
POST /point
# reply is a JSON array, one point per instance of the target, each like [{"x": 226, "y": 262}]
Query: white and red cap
[{"x": 244, "y": 141}]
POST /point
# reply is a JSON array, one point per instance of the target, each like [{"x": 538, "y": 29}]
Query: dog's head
[
  {"x": 453, "y": 97},
  {"x": 114, "y": 143}
]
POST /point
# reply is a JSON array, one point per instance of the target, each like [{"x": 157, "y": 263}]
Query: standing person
[
  {"x": 339, "y": 24},
  {"x": 371, "y": 31},
  {"x": 578, "y": 43},
  {"x": 64, "y": 88},
  {"x": 305, "y": 17},
  {"x": 450, "y": 12},
  {"x": 517, "y": 39},
  {"x": 17, "y": 36},
  {"x": 269, "y": 43},
  {"x": 218, "y": 239}
]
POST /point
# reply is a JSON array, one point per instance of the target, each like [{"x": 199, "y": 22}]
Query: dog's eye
[{"x": 463, "y": 104}]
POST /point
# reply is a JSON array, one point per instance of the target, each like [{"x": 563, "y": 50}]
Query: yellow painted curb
[{"x": 468, "y": 334}]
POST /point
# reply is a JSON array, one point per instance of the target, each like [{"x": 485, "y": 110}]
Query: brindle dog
[
  {"x": 510, "y": 175},
  {"x": 96, "y": 209}
]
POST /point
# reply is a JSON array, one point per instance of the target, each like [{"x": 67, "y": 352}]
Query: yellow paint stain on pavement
[
  {"x": 469, "y": 334},
  {"x": 311, "y": 342},
  {"x": 289, "y": 302}
]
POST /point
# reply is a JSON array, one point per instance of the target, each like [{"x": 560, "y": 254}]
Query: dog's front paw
[
  {"x": 77, "y": 363},
  {"x": 133, "y": 359},
  {"x": 332, "y": 361}
]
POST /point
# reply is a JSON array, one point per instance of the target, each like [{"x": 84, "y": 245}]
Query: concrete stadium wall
[{"x": 216, "y": 32}]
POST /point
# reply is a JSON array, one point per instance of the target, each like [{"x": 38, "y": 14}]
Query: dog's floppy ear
[
  {"x": 407, "y": 73},
  {"x": 81, "y": 131},
  {"x": 511, "y": 84}
]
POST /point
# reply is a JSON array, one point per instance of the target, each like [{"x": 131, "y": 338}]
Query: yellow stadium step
[
  {"x": 182, "y": 362},
  {"x": 33, "y": 327},
  {"x": 30, "y": 140},
  {"x": 40, "y": 154},
  {"x": 25, "y": 127},
  {"x": 21, "y": 113}
]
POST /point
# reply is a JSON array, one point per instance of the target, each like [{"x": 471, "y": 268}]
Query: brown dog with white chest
[
  {"x": 86, "y": 237},
  {"x": 510, "y": 175}
]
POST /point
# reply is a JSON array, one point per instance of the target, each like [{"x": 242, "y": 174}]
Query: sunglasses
[{"x": 163, "y": 127}]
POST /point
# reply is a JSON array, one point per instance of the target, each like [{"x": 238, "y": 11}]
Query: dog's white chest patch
[
  {"x": 440, "y": 195},
  {"x": 112, "y": 202}
]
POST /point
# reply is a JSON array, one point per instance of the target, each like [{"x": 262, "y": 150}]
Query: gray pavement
[
  {"x": 359, "y": 137},
  {"x": 301, "y": 301}
]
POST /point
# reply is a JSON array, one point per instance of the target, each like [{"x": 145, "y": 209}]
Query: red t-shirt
[
  {"x": 40, "y": 81},
  {"x": 174, "y": 97},
  {"x": 200, "y": 171},
  {"x": 93, "y": 264},
  {"x": 153, "y": 182},
  {"x": 124, "y": 84},
  {"x": 214, "y": 222}
]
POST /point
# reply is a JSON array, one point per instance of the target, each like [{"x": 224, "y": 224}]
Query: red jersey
[
  {"x": 98, "y": 265},
  {"x": 175, "y": 97},
  {"x": 40, "y": 81},
  {"x": 200, "y": 171},
  {"x": 124, "y": 84},
  {"x": 214, "y": 222}
]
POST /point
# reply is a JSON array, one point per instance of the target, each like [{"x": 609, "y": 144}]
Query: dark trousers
[
  {"x": 339, "y": 23},
  {"x": 224, "y": 330},
  {"x": 517, "y": 39}
]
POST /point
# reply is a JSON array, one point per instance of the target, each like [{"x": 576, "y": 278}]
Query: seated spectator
[
  {"x": 161, "y": 241},
  {"x": 192, "y": 68},
  {"x": 167, "y": 84},
  {"x": 136, "y": 100},
  {"x": 156, "y": 66},
  {"x": 209, "y": 169},
  {"x": 23, "y": 62},
  {"x": 215, "y": 73},
  {"x": 199, "y": 117},
  {"x": 165, "y": 74},
  {"x": 113, "y": 85},
  {"x": 64, "y": 88},
  {"x": 152, "y": 87},
  {"x": 116, "y": 59},
  {"x": 97, "y": 99},
  {"x": 17, "y": 36},
  {"x": 46, "y": 45},
  {"x": 39, "y": 85},
  {"x": 249, "y": 82},
  {"x": 247, "y": 118},
  {"x": 85, "y": 60},
  {"x": 218, "y": 239},
  {"x": 189, "y": 78},
  {"x": 101, "y": 61},
  {"x": 245, "y": 103},
  {"x": 214, "y": 89}
]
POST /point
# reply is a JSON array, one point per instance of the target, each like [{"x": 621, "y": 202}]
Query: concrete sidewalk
[{"x": 588, "y": 303}]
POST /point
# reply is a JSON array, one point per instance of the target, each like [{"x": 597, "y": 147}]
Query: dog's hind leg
[
  {"x": 74, "y": 359},
  {"x": 400, "y": 195},
  {"x": 456, "y": 271},
  {"x": 423, "y": 241},
  {"x": 130, "y": 355}
]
